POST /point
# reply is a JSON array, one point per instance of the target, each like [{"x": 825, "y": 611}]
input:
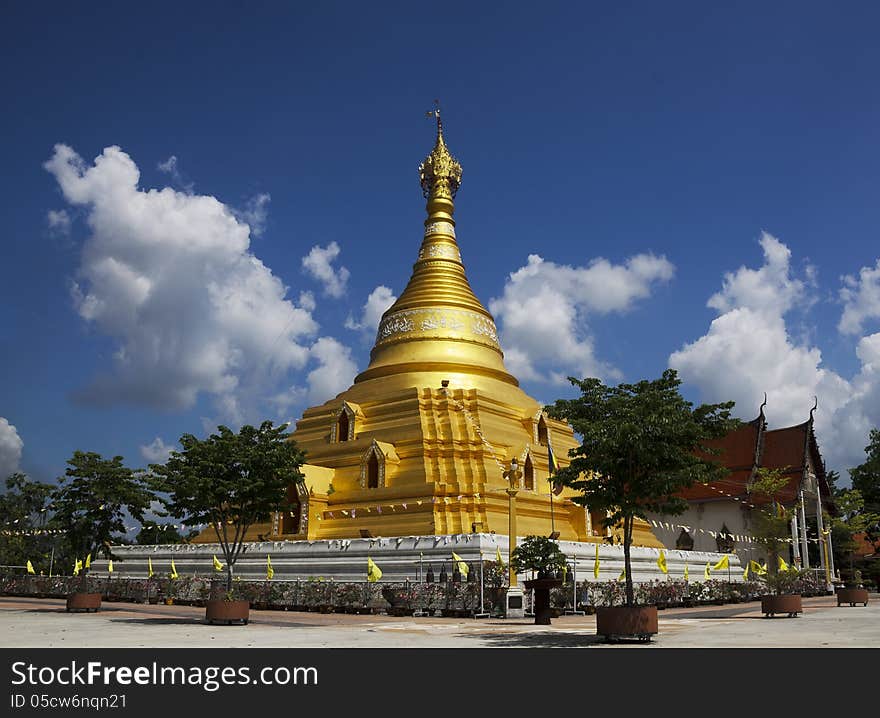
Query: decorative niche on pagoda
[{"x": 417, "y": 445}]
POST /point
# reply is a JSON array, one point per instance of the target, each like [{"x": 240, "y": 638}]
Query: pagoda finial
[
  {"x": 440, "y": 173},
  {"x": 815, "y": 406}
]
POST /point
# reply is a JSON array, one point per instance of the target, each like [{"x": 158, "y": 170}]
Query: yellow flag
[
  {"x": 746, "y": 572},
  {"x": 498, "y": 558},
  {"x": 149, "y": 567},
  {"x": 462, "y": 566},
  {"x": 596, "y": 564},
  {"x": 173, "y": 573},
  {"x": 782, "y": 565},
  {"x": 77, "y": 567},
  {"x": 270, "y": 572},
  {"x": 706, "y": 572},
  {"x": 686, "y": 573},
  {"x": 723, "y": 563},
  {"x": 30, "y": 567},
  {"x": 622, "y": 576},
  {"x": 217, "y": 565},
  {"x": 89, "y": 561},
  {"x": 110, "y": 566},
  {"x": 661, "y": 562},
  {"x": 373, "y": 572}
]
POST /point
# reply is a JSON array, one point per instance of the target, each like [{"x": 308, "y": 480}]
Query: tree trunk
[
  {"x": 228, "y": 576},
  {"x": 627, "y": 540}
]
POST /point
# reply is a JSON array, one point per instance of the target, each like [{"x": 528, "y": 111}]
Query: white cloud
[
  {"x": 545, "y": 306},
  {"x": 59, "y": 221},
  {"x": 156, "y": 452},
  {"x": 861, "y": 299},
  {"x": 170, "y": 277},
  {"x": 255, "y": 213},
  {"x": 10, "y": 449},
  {"x": 772, "y": 288},
  {"x": 749, "y": 350},
  {"x": 377, "y": 303},
  {"x": 169, "y": 166},
  {"x": 318, "y": 263},
  {"x": 334, "y": 373}
]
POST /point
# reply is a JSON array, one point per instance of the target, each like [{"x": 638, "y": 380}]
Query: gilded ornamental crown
[{"x": 440, "y": 173}]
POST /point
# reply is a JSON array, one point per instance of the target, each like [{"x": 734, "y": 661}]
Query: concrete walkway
[{"x": 37, "y": 623}]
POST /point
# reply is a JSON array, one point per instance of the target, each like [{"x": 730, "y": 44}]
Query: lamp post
[
  {"x": 513, "y": 476},
  {"x": 513, "y": 607}
]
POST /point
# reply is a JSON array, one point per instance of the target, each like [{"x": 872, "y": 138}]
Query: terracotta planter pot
[
  {"x": 228, "y": 612},
  {"x": 84, "y": 602},
  {"x": 541, "y": 587},
  {"x": 789, "y": 603},
  {"x": 615, "y": 622},
  {"x": 852, "y": 596}
]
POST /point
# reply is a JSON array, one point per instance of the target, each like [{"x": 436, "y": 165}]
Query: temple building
[{"x": 719, "y": 513}]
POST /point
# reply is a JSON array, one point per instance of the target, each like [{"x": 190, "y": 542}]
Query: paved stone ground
[{"x": 38, "y": 623}]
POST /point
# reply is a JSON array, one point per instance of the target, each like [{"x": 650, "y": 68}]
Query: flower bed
[{"x": 317, "y": 594}]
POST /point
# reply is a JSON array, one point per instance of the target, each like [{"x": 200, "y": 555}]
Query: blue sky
[{"x": 697, "y": 187}]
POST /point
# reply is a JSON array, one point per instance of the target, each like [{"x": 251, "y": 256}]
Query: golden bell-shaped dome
[{"x": 437, "y": 323}]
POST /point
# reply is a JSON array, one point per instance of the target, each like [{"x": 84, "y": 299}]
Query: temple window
[
  {"x": 685, "y": 541},
  {"x": 373, "y": 471},
  {"x": 724, "y": 540},
  {"x": 543, "y": 438},
  {"x": 343, "y": 425},
  {"x": 529, "y": 474},
  {"x": 373, "y": 465}
]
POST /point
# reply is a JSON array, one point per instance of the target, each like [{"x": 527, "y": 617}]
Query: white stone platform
[{"x": 398, "y": 558}]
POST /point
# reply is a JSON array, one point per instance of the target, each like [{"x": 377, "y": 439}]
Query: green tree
[
  {"x": 539, "y": 554},
  {"x": 852, "y": 519},
  {"x": 642, "y": 443},
  {"x": 771, "y": 528},
  {"x": 230, "y": 481},
  {"x": 24, "y": 510},
  {"x": 94, "y": 500},
  {"x": 866, "y": 480}
]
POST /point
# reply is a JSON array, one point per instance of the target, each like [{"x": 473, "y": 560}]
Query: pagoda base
[{"x": 398, "y": 557}]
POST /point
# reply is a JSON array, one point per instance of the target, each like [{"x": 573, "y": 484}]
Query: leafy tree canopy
[
  {"x": 230, "y": 481},
  {"x": 642, "y": 443},
  {"x": 539, "y": 554},
  {"x": 24, "y": 509},
  {"x": 866, "y": 480},
  {"x": 93, "y": 501}
]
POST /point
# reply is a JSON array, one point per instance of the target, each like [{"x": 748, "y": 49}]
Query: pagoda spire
[{"x": 437, "y": 314}]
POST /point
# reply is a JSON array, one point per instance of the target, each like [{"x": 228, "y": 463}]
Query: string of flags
[{"x": 742, "y": 538}]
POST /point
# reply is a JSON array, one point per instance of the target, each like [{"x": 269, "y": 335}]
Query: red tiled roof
[
  {"x": 738, "y": 447},
  {"x": 784, "y": 448},
  {"x": 780, "y": 449}
]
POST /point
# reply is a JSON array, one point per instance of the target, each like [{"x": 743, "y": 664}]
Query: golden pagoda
[{"x": 419, "y": 443}]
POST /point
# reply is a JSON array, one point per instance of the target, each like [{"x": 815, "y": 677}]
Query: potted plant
[
  {"x": 641, "y": 444},
  {"x": 770, "y": 528},
  {"x": 852, "y": 522},
  {"x": 230, "y": 481},
  {"x": 543, "y": 557},
  {"x": 91, "y": 505}
]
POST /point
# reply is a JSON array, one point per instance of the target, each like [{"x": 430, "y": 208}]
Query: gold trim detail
[{"x": 425, "y": 321}]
